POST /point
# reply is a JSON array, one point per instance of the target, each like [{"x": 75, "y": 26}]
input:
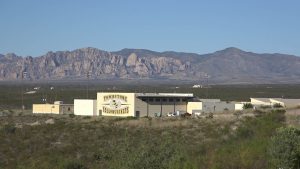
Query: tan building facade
[
  {"x": 141, "y": 104},
  {"x": 116, "y": 104},
  {"x": 56, "y": 108},
  {"x": 260, "y": 101},
  {"x": 194, "y": 107}
]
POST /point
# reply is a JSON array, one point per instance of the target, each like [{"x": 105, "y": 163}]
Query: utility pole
[
  {"x": 87, "y": 85},
  {"x": 24, "y": 75},
  {"x": 207, "y": 85}
]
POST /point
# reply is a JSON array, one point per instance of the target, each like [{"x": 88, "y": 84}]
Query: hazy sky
[{"x": 34, "y": 27}]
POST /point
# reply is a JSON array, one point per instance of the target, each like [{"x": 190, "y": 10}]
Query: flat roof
[
  {"x": 188, "y": 95},
  {"x": 262, "y": 99},
  {"x": 286, "y": 100},
  {"x": 210, "y": 100}
]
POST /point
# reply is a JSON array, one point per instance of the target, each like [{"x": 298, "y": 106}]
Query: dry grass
[{"x": 293, "y": 117}]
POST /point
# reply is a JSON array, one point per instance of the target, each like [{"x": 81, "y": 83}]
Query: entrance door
[{"x": 137, "y": 114}]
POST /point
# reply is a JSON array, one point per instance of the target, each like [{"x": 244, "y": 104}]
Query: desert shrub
[
  {"x": 247, "y": 149},
  {"x": 258, "y": 112},
  {"x": 86, "y": 117},
  {"x": 265, "y": 107},
  {"x": 247, "y": 106},
  {"x": 277, "y": 105},
  {"x": 74, "y": 165},
  {"x": 131, "y": 118},
  {"x": 71, "y": 115},
  {"x": 285, "y": 148},
  {"x": 209, "y": 116},
  {"x": 9, "y": 128},
  {"x": 237, "y": 114},
  {"x": 244, "y": 132},
  {"x": 278, "y": 115}
]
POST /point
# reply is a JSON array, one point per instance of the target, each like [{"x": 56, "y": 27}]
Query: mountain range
[{"x": 230, "y": 65}]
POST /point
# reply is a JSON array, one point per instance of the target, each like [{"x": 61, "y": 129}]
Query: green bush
[
  {"x": 71, "y": 115},
  {"x": 9, "y": 128},
  {"x": 247, "y": 106},
  {"x": 285, "y": 148},
  {"x": 277, "y": 105},
  {"x": 74, "y": 165},
  {"x": 265, "y": 107},
  {"x": 247, "y": 149},
  {"x": 209, "y": 116}
]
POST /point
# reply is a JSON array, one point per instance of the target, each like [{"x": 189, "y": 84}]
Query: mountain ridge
[{"x": 223, "y": 66}]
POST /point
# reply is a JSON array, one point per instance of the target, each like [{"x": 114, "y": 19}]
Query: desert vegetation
[
  {"x": 10, "y": 93},
  {"x": 224, "y": 141},
  {"x": 244, "y": 139}
]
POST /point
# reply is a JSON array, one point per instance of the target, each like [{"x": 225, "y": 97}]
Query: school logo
[{"x": 115, "y": 104}]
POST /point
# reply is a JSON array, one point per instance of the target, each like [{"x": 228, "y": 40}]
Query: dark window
[
  {"x": 150, "y": 99},
  {"x": 171, "y": 99},
  {"x": 184, "y": 100},
  {"x": 164, "y": 99},
  {"x": 137, "y": 114},
  {"x": 157, "y": 99},
  {"x": 69, "y": 108},
  {"x": 177, "y": 100},
  {"x": 144, "y": 99}
]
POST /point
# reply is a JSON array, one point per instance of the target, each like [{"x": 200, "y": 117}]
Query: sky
[{"x": 34, "y": 27}]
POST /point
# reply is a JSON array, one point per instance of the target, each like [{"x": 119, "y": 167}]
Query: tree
[{"x": 285, "y": 148}]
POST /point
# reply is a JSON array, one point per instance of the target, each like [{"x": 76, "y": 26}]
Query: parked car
[
  {"x": 171, "y": 114},
  {"x": 177, "y": 113},
  {"x": 197, "y": 113}
]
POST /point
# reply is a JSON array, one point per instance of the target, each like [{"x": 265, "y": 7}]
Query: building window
[
  {"x": 164, "y": 99},
  {"x": 144, "y": 99},
  {"x": 171, "y": 99},
  {"x": 150, "y": 99},
  {"x": 157, "y": 99},
  {"x": 184, "y": 100},
  {"x": 177, "y": 100},
  {"x": 69, "y": 108}
]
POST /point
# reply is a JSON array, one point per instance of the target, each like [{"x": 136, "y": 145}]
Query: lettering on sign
[{"x": 115, "y": 96}]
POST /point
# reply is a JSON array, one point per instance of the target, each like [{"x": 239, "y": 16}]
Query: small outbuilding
[
  {"x": 85, "y": 107},
  {"x": 56, "y": 108}
]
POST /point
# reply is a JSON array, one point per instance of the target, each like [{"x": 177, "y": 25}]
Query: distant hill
[{"x": 230, "y": 65}]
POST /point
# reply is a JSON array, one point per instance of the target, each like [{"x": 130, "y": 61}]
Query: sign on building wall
[{"x": 115, "y": 104}]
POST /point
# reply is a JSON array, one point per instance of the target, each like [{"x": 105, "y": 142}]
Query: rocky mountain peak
[
  {"x": 132, "y": 60},
  {"x": 228, "y": 65},
  {"x": 231, "y": 51}
]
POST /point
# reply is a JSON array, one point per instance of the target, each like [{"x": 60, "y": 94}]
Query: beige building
[
  {"x": 289, "y": 103},
  {"x": 57, "y": 108},
  {"x": 194, "y": 107},
  {"x": 261, "y": 101},
  {"x": 141, "y": 104}
]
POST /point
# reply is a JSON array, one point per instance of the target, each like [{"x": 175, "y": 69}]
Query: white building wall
[
  {"x": 192, "y": 106},
  {"x": 85, "y": 107},
  {"x": 238, "y": 106}
]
